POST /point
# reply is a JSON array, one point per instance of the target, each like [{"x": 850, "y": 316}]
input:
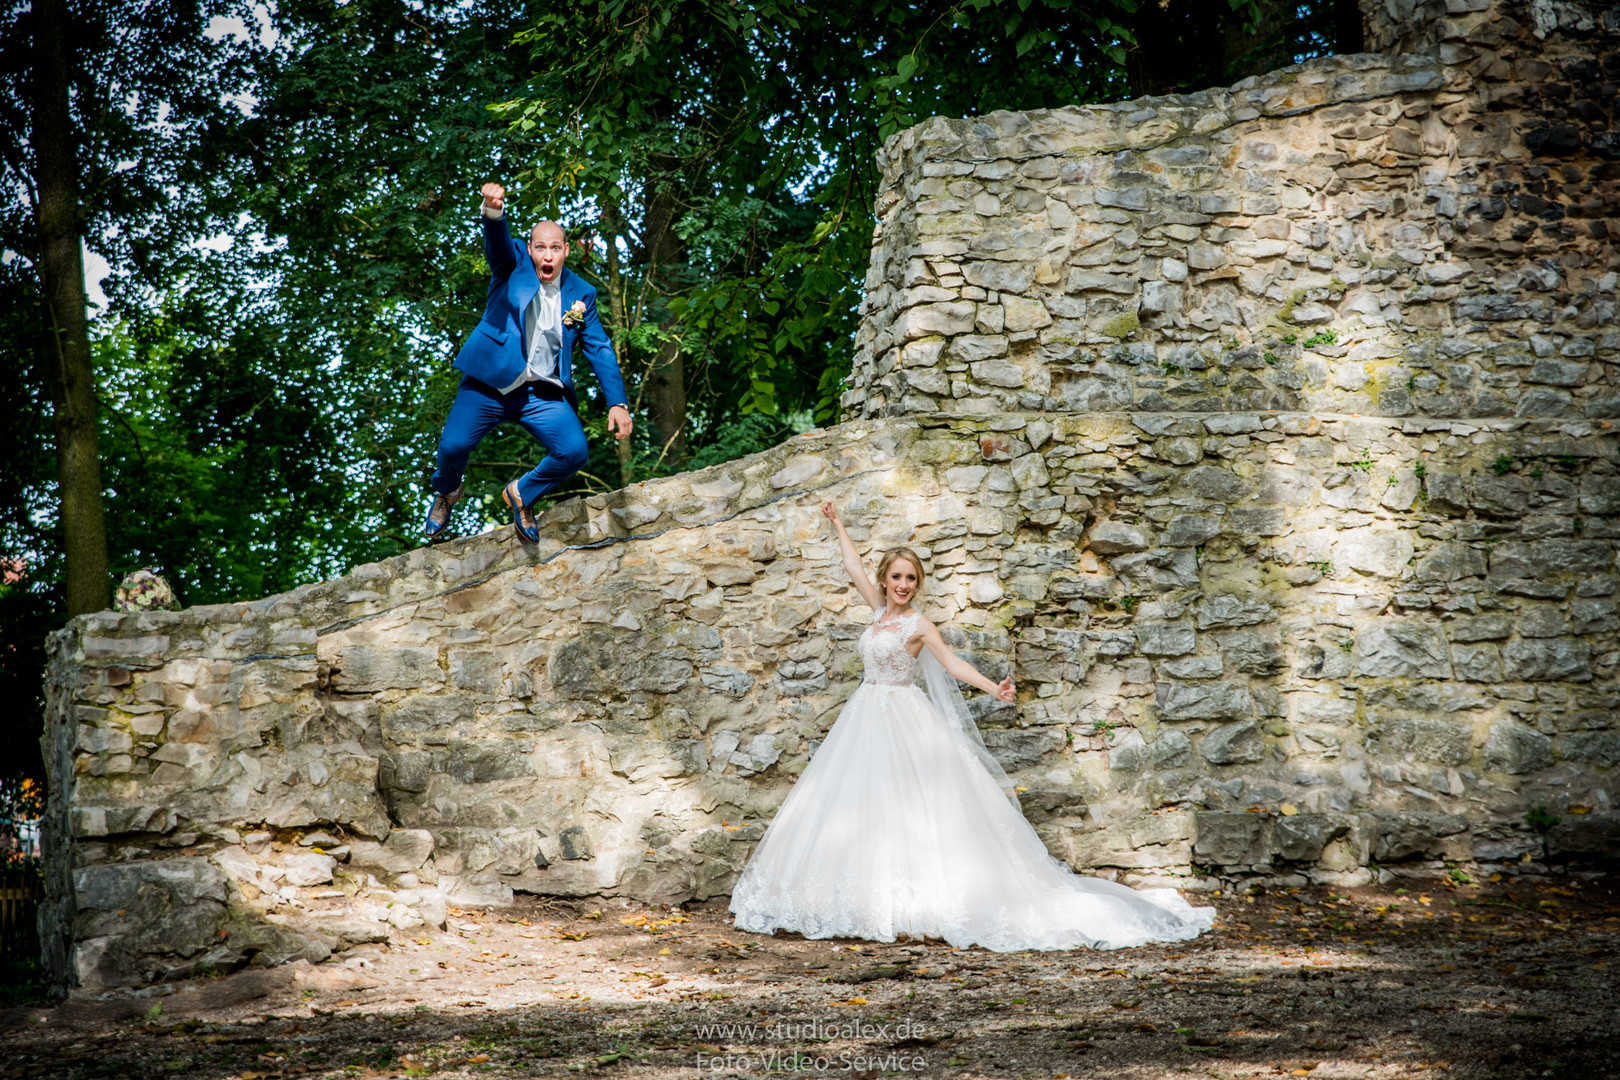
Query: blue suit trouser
[{"x": 543, "y": 412}]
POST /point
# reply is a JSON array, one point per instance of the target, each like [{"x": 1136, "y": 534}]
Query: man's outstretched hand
[
  {"x": 494, "y": 196},
  {"x": 619, "y": 421}
]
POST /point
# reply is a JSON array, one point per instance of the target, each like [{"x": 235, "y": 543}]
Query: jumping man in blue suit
[{"x": 517, "y": 366}]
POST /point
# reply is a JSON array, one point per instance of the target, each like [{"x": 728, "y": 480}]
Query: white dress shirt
[{"x": 542, "y": 335}]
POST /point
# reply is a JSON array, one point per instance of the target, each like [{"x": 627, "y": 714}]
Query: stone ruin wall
[{"x": 1263, "y": 435}]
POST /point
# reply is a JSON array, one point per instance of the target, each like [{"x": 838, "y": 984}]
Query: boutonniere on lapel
[{"x": 575, "y": 315}]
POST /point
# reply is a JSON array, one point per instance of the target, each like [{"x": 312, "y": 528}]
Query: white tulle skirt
[{"x": 896, "y": 828}]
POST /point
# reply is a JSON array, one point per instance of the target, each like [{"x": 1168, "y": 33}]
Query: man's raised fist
[{"x": 494, "y": 196}]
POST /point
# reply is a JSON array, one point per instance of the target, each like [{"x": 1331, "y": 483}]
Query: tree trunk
[
  {"x": 666, "y": 378},
  {"x": 67, "y": 359},
  {"x": 611, "y": 223},
  {"x": 667, "y": 401}
]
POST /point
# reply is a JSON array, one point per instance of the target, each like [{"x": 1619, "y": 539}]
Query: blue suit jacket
[{"x": 493, "y": 352}]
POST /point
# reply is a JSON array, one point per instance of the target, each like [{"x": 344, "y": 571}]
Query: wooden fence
[{"x": 20, "y": 892}]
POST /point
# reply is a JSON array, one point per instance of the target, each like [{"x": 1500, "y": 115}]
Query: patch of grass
[
  {"x": 1324, "y": 567},
  {"x": 1502, "y": 465},
  {"x": 1364, "y": 463},
  {"x": 1321, "y": 337},
  {"x": 1420, "y": 470}
]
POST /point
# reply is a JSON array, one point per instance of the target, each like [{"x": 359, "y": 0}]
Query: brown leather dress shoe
[
  {"x": 522, "y": 517},
  {"x": 439, "y": 514}
]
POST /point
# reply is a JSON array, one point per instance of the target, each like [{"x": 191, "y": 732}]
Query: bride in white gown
[{"x": 903, "y": 823}]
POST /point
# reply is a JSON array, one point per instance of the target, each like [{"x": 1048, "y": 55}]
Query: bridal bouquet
[{"x": 144, "y": 590}]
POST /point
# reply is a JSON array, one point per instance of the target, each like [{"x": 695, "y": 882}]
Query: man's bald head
[
  {"x": 548, "y": 227},
  {"x": 548, "y": 248}
]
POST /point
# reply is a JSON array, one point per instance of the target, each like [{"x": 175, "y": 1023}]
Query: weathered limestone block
[
  {"x": 1204, "y": 701},
  {"x": 1302, "y": 837},
  {"x": 1232, "y": 744},
  {"x": 309, "y": 868},
  {"x": 401, "y": 851},
  {"x": 1545, "y": 659},
  {"x": 1145, "y": 842},
  {"x": 1235, "y": 840},
  {"x": 1588, "y": 834},
  {"x": 1402, "y": 648},
  {"x": 1506, "y": 842},
  {"x": 1414, "y": 834},
  {"x": 1166, "y": 639},
  {"x": 1441, "y": 742},
  {"x": 145, "y": 918},
  {"x": 1515, "y": 748},
  {"x": 1017, "y": 750},
  {"x": 1116, "y": 538},
  {"x": 1600, "y": 748},
  {"x": 363, "y": 668},
  {"x": 1227, "y": 610}
]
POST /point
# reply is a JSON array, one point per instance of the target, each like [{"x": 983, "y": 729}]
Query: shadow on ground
[{"x": 1492, "y": 979}]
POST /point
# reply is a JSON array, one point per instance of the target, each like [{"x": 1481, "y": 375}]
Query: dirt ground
[{"x": 1509, "y": 978}]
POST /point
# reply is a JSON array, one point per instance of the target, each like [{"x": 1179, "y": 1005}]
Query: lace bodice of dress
[{"x": 883, "y": 648}]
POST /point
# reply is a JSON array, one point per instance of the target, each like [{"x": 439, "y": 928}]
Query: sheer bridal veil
[{"x": 948, "y": 701}]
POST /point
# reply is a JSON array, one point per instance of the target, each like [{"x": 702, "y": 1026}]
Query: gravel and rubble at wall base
[{"x": 1503, "y": 978}]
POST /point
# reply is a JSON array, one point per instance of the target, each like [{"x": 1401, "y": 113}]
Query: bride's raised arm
[
  {"x": 852, "y": 560},
  {"x": 959, "y": 668}
]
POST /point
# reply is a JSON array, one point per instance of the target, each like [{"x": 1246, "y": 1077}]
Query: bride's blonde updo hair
[{"x": 889, "y": 560}]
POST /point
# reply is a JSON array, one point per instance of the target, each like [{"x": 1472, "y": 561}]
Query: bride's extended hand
[
  {"x": 830, "y": 508},
  {"x": 1006, "y": 691}
]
